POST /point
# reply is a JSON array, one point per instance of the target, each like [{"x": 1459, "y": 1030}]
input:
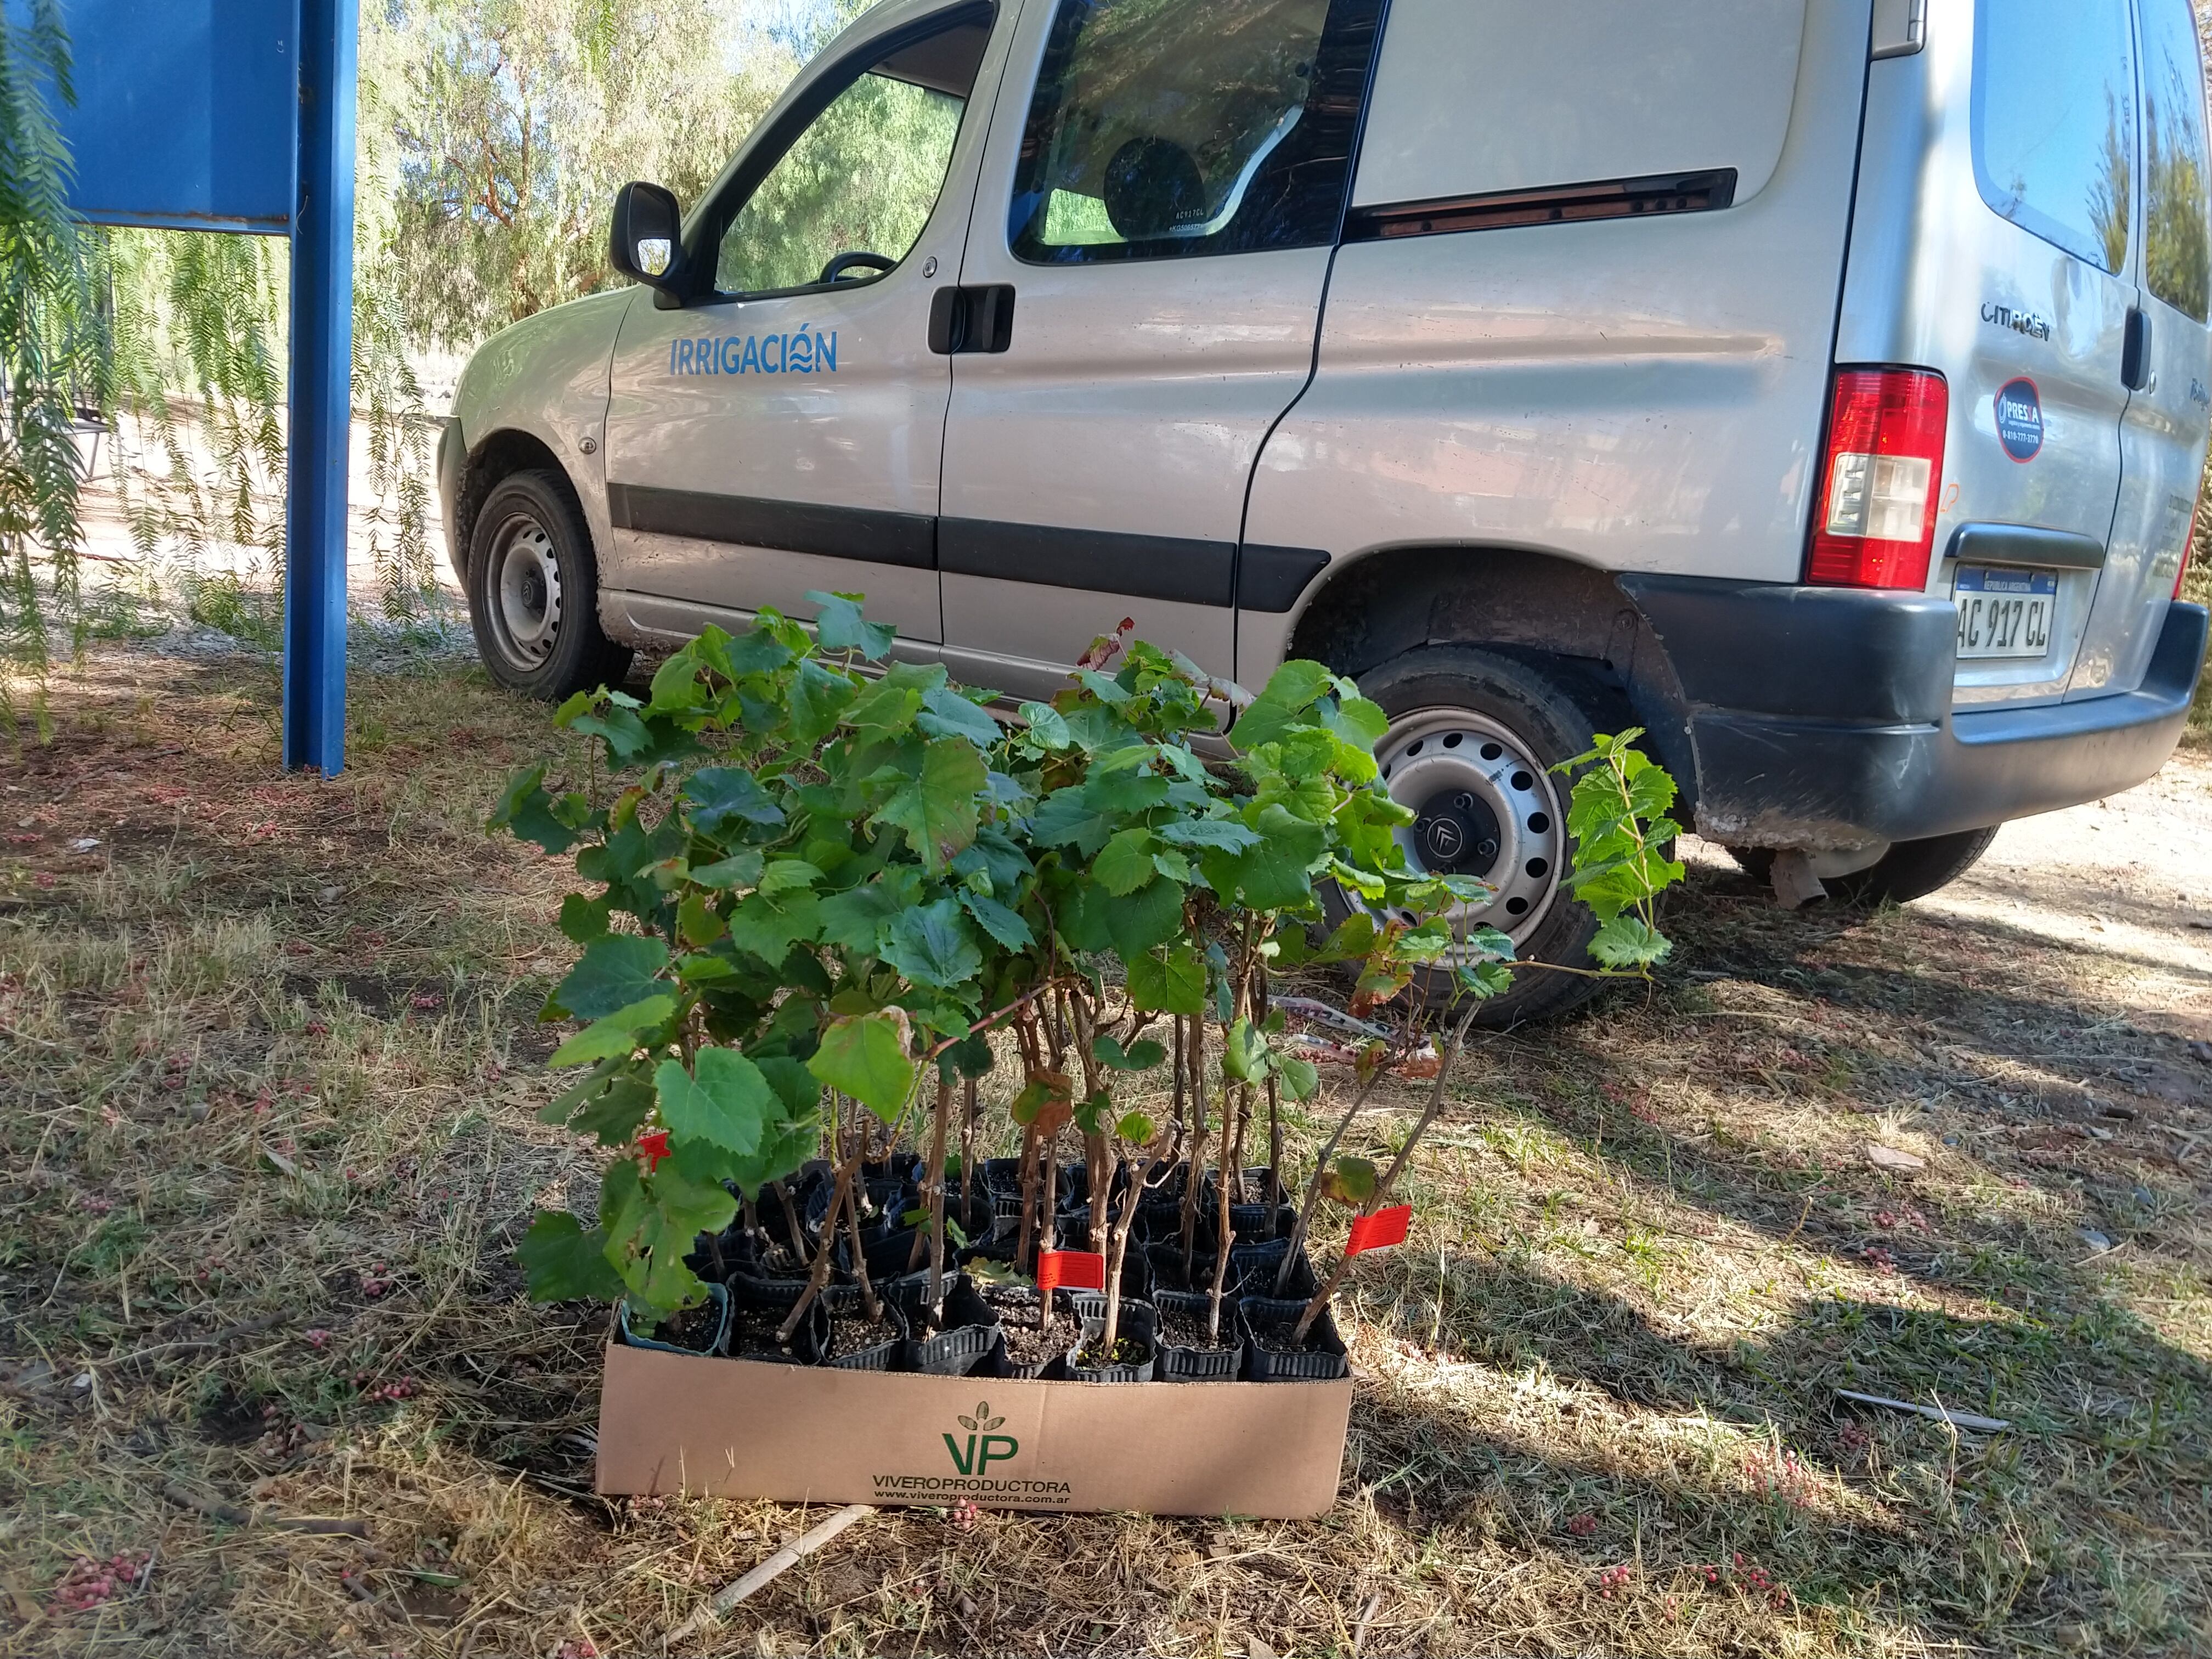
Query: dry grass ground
[{"x": 270, "y": 1064}]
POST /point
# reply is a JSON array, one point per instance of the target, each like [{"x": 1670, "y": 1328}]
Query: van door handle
[
  {"x": 2135, "y": 355},
  {"x": 978, "y": 317}
]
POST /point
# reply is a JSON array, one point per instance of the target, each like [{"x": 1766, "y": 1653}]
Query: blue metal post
[{"x": 321, "y": 391}]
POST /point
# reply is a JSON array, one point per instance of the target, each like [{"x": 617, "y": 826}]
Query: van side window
[
  {"x": 2054, "y": 121},
  {"x": 2177, "y": 238},
  {"x": 1161, "y": 128},
  {"x": 862, "y": 178},
  {"x": 1495, "y": 97}
]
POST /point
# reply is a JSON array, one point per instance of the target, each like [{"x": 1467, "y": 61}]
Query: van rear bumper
[{"x": 1821, "y": 718}]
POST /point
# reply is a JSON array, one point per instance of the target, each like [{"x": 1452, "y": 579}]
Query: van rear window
[
  {"x": 2054, "y": 121},
  {"x": 2177, "y": 241},
  {"x": 1490, "y": 98}
]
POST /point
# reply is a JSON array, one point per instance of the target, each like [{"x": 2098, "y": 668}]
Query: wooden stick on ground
[
  {"x": 777, "y": 1565},
  {"x": 231, "y": 1515}
]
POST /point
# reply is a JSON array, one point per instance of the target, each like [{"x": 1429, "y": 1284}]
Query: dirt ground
[{"x": 268, "y": 1063}]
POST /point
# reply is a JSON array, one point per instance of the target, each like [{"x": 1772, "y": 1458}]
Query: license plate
[{"x": 2004, "y": 613}]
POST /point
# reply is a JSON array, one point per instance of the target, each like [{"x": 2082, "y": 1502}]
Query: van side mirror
[{"x": 647, "y": 241}]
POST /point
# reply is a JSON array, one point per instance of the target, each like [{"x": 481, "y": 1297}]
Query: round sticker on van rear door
[{"x": 2019, "y": 419}]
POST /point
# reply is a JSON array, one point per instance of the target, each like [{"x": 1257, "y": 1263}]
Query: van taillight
[{"x": 1874, "y": 524}]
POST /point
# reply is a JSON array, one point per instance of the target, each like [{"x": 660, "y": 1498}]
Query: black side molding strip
[
  {"x": 1171, "y": 568},
  {"x": 1270, "y": 578},
  {"x": 2021, "y": 543},
  {"x": 1608, "y": 198},
  {"x": 1182, "y": 570},
  {"x": 834, "y": 532}
]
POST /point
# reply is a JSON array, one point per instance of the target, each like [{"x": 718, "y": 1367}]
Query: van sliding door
[{"x": 1136, "y": 307}]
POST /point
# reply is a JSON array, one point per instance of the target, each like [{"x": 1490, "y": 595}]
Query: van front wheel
[
  {"x": 533, "y": 592},
  {"x": 1472, "y": 742}
]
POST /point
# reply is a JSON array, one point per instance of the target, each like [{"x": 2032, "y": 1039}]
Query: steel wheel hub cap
[
  {"x": 1483, "y": 805},
  {"x": 526, "y": 594}
]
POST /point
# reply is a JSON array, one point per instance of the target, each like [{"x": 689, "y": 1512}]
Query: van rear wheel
[
  {"x": 1470, "y": 748},
  {"x": 1908, "y": 871},
  {"x": 533, "y": 592}
]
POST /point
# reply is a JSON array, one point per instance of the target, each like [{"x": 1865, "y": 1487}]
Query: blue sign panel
[{"x": 187, "y": 111}]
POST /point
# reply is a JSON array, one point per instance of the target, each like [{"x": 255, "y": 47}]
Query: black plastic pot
[
  {"x": 715, "y": 1294},
  {"x": 1253, "y": 1189},
  {"x": 1256, "y": 1273},
  {"x": 910, "y": 1291},
  {"x": 887, "y": 1254},
  {"x": 1001, "y": 1176},
  {"x": 810, "y": 1345},
  {"x": 971, "y": 1336},
  {"x": 1253, "y": 1223},
  {"x": 1252, "y": 1269},
  {"x": 1138, "y": 1324},
  {"x": 1002, "y": 1300},
  {"x": 887, "y": 1355},
  {"x": 1321, "y": 1360},
  {"x": 748, "y": 1291},
  {"x": 884, "y": 1198},
  {"x": 764, "y": 1254},
  {"x": 1195, "y": 1364}
]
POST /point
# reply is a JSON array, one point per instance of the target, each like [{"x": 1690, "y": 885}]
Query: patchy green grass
[{"x": 271, "y": 1063}]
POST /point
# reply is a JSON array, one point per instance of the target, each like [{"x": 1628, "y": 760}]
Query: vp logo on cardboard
[{"x": 983, "y": 1448}]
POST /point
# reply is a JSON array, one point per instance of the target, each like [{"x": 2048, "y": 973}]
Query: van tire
[
  {"x": 1910, "y": 870},
  {"x": 533, "y": 591},
  {"x": 1548, "y": 724}
]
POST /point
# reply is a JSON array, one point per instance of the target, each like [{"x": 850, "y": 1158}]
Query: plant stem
[
  {"x": 875, "y": 1309},
  {"x": 968, "y": 1109},
  {"x": 818, "y": 1277},
  {"x": 790, "y": 1216},
  {"x": 1225, "y": 1235},
  {"x": 937, "y": 1134},
  {"x": 1097, "y": 1175},
  {"x": 1321, "y": 1170},
  {"x": 1274, "y": 1143},
  {"x": 1196, "y": 1158},
  {"x": 1389, "y": 1179},
  {"x": 1118, "y": 1251},
  {"x": 1259, "y": 1010},
  {"x": 1029, "y": 1198}
]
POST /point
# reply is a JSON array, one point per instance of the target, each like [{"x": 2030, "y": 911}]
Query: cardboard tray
[{"x": 737, "y": 1428}]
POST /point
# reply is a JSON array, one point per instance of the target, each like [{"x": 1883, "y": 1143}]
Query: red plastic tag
[
  {"x": 653, "y": 1143},
  {"x": 1380, "y": 1230},
  {"x": 1080, "y": 1270}
]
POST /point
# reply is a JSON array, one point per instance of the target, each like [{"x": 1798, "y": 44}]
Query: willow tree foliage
[{"x": 52, "y": 352}]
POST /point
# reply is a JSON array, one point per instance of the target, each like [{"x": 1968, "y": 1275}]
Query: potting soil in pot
[
  {"x": 1185, "y": 1327},
  {"x": 752, "y": 1336},
  {"x": 857, "y": 1333},
  {"x": 689, "y": 1328},
  {"x": 1128, "y": 1351},
  {"x": 1029, "y": 1343}
]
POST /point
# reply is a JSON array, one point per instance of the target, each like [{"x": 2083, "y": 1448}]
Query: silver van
[{"x": 1820, "y": 384}]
